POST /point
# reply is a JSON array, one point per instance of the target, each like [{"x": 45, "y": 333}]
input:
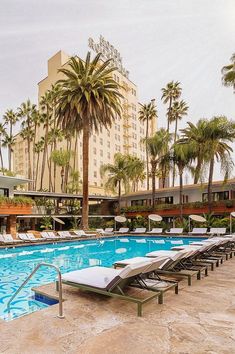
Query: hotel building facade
[{"x": 124, "y": 136}]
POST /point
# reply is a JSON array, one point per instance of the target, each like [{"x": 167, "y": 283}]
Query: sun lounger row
[
  {"x": 172, "y": 231},
  {"x": 144, "y": 273}
]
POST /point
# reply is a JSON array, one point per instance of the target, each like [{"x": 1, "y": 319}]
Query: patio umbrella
[
  {"x": 154, "y": 217},
  {"x": 197, "y": 218},
  {"x": 232, "y": 215},
  {"x": 57, "y": 220},
  {"x": 120, "y": 219}
]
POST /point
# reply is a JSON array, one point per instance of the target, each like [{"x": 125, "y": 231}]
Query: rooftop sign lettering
[{"x": 108, "y": 52}]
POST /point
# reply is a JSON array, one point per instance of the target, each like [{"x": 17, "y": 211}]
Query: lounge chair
[
  {"x": 111, "y": 282},
  {"x": 105, "y": 232},
  {"x": 198, "y": 231},
  {"x": 174, "y": 266},
  {"x": 64, "y": 234},
  {"x": 9, "y": 239},
  {"x": 32, "y": 238},
  {"x": 48, "y": 235},
  {"x": 139, "y": 230},
  {"x": 122, "y": 230},
  {"x": 23, "y": 237},
  {"x": 80, "y": 233},
  {"x": 175, "y": 230},
  {"x": 149, "y": 278},
  {"x": 155, "y": 231},
  {"x": 217, "y": 231}
]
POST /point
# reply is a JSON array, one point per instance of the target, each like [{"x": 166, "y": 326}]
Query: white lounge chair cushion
[
  {"x": 134, "y": 260},
  {"x": 98, "y": 277},
  {"x": 166, "y": 253}
]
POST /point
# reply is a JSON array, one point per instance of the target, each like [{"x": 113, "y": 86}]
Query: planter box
[
  {"x": 9, "y": 209},
  {"x": 218, "y": 210}
]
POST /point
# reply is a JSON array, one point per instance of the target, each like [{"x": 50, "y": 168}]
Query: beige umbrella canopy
[
  {"x": 120, "y": 218},
  {"x": 198, "y": 218},
  {"x": 155, "y": 217},
  {"x": 58, "y": 220}
]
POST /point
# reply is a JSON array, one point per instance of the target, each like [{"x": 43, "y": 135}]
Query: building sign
[{"x": 108, "y": 52}]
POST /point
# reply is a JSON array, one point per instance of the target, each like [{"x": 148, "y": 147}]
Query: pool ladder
[{"x": 60, "y": 314}]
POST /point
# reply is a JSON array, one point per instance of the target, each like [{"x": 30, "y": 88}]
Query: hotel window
[
  {"x": 94, "y": 139},
  {"x": 108, "y": 154},
  {"x": 185, "y": 198},
  {"x": 4, "y": 192},
  {"x": 115, "y": 136},
  {"x": 95, "y": 174},
  {"x": 216, "y": 196},
  {"x": 95, "y": 162},
  {"x": 109, "y": 134},
  {"x": 94, "y": 150},
  {"x": 108, "y": 143},
  {"x": 118, "y": 79},
  {"x": 101, "y": 141},
  {"x": 101, "y": 152}
]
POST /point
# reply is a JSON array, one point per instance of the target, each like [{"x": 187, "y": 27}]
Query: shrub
[{"x": 16, "y": 201}]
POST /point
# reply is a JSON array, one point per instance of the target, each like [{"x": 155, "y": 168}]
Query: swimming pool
[{"x": 17, "y": 263}]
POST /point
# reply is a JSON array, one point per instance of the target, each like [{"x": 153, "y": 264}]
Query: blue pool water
[{"x": 17, "y": 263}]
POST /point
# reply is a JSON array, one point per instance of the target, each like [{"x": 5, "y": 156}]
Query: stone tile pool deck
[{"x": 201, "y": 319}]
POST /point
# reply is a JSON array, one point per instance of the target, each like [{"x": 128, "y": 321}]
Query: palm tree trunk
[
  {"x": 168, "y": 116},
  {"x": 174, "y": 167},
  {"x": 85, "y": 173},
  {"x": 44, "y": 155},
  {"x": 1, "y": 158},
  {"x": 119, "y": 197},
  {"x": 34, "y": 156},
  {"x": 210, "y": 180},
  {"x": 147, "y": 155},
  {"x": 75, "y": 151},
  {"x": 197, "y": 170},
  {"x": 181, "y": 193},
  {"x": 49, "y": 171},
  {"x": 153, "y": 184},
  {"x": 29, "y": 162},
  {"x": 9, "y": 157},
  {"x": 36, "y": 172}
]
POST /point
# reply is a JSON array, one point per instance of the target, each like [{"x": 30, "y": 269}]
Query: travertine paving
[{"x": 201, "y": 319}]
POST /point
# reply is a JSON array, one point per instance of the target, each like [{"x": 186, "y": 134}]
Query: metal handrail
[{"x": 60, "y": 315}]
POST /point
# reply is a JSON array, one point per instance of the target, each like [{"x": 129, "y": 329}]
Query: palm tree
[
  {"x": 38, "y": 148},
  {"x": 36, "y": 121},
  {"x": 117, "y": 175},
  {"x": 74, "y": 183},
  {"x": 157, "y": 146},
  {"x": 182, "y": 155},
  {"x": 10, "y": 118},
  {"x": 147, "y": 113},
  {"x": 26, "y": 112},
  {"x": 2, "y": 134},
  {"x": 61, "y": 158},
  {"x": 170, "y": 93},
  {"x": 135, "y": 171},
  {"x": 46, "y": 107},
  {"x": 88, "y": 100},
  {"x": 194, "y": 134},
  {"x": 9, "y": 143},
  {"x": 218, "y": 133},
  {"x": 55, "y": 135},
  {"x": 228, "y": 72},
  {"x": 179, "y": 109}
]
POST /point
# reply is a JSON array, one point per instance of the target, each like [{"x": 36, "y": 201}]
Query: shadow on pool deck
[{"x": 201, "y": 319}]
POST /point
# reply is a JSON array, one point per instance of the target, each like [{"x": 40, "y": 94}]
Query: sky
[{"x": 159, "y": 40}]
